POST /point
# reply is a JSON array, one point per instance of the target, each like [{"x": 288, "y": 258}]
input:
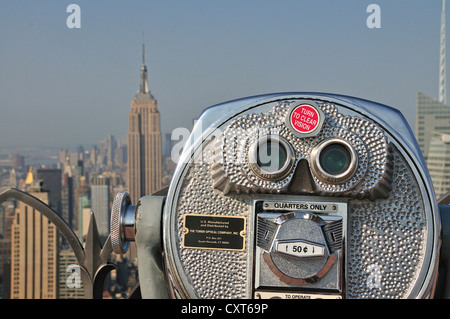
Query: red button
[{"x": 305, "y": 118}]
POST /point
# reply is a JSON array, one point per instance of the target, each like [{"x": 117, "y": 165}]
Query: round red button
[{"x": 305, "y": 118}]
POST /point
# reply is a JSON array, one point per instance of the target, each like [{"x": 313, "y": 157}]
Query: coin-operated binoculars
[{"x": 291, "y": 196}]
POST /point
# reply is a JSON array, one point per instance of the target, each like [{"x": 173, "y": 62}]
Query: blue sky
[{"x": 63, "y": 87}]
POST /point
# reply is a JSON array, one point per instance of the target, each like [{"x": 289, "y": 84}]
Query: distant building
[
  {"x": 439, "y": 162},
  {"x": 67, "y": 192},
  {"x": 62, "y": 156},
  {"x": 111, "y": 145},
  {"x": 433, "y": 125},
  {"x": 432, "y": 116},
  {"x": 34, "y": 250},
  {"x": 19, "y": 161},
  {"x": 5, "y": 249},
  {"x": 144, "y": 142},
  {"x": 121, "y": 156},
  {"x": 51, "y": 179},
  {"x": 70, "y": 285}
]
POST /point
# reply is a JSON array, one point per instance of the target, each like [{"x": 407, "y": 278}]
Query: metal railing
[{"x": 93, "y": 258}]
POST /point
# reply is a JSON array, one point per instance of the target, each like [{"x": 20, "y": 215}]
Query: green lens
[
  {"x": 335, "y": 159},
  {"x": 271, "y": 156}
]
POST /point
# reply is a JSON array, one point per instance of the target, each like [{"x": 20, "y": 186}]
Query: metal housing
[{"x": 393, "y": 220}]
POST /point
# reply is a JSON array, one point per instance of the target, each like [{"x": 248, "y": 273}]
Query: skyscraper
[
  {"x": 52, "y": 179},
  {"x": 144, "y": 141},
  {"x": 70, "y": 285},
  {"x": 34, "y": 250},
  {"x": 442, "y": 61},
  {"x": 439, "y": 162},
  {"x": 433, "y": 125},
  {"x": 434, "y": 115},
  {"x": 67, "y": 193}
]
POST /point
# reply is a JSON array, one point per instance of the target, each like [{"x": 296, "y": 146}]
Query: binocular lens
[
  {"x": 335, "y": 159},
  {"x": 271, "y": 156}
]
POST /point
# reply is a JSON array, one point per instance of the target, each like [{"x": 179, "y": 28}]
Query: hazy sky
[{"x": 64, "y": 87}]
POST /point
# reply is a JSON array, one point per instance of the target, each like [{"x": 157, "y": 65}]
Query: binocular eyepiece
[{"x": 300, "y": 195}]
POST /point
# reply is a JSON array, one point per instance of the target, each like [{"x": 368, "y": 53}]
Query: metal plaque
[
  {"x": 214, "y": 232},
  {"x": 319, "y": 207}
]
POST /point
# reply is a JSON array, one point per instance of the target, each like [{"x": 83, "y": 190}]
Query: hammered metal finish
[
  {"x": 232, "y": 173},
  {"x": 387, "y": 229},
  {"x": 213, "y": 273},
  {"x": 116, "y": 215},
  {"x": 386, "y": 240}
]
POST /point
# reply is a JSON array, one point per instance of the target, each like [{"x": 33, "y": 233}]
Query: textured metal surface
[
  {"x": 390, "y": 236},
  {"x": 387, "y": 240},
  {"x": 232, "y": 172},
  {"x": 118, "y": 245},
  {"x": 212, "y": 273}
]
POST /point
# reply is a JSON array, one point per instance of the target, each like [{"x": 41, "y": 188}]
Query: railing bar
[{"x": 45, "y": 210}]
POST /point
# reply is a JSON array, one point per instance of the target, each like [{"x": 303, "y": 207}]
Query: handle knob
[{"x": 122, "y": 223}]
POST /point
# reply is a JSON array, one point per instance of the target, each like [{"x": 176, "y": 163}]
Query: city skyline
[
  {"x": 62, "y": 86},
  {"x": 71, "y": 87}
]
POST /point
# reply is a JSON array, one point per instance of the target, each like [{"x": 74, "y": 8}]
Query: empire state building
[{"x": 144, "y": 141}]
